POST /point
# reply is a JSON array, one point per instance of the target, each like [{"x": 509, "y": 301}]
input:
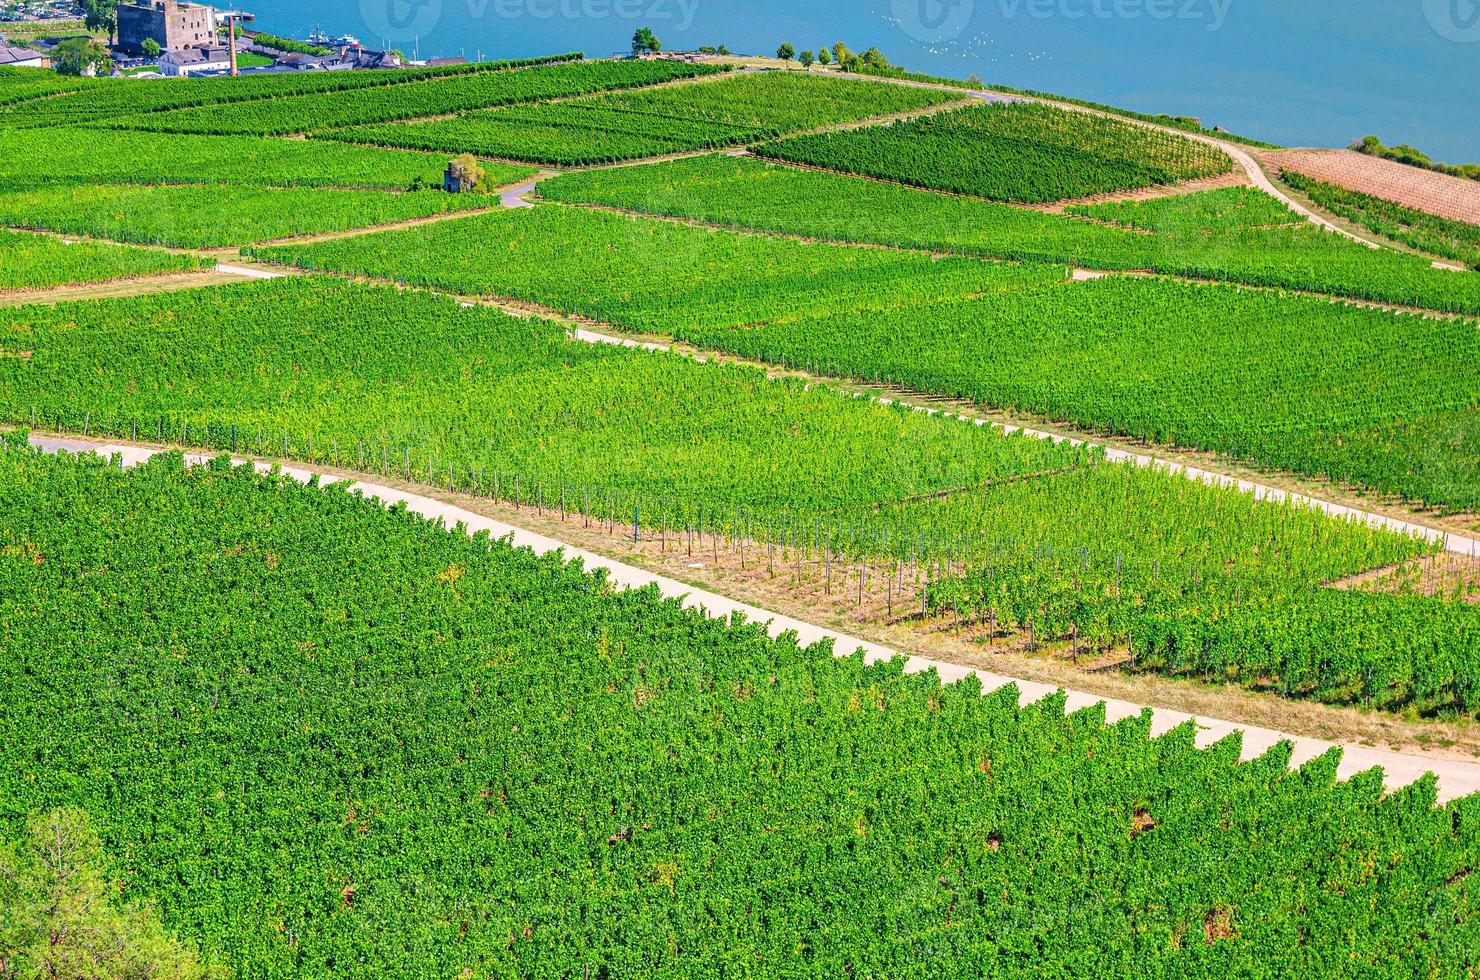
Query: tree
[
  {"x": 724, "y": 50},
  {"x": 786, "y": 52},
  {"x": 467, "y": 174},
  {"x": 841, "y": 54},
  {"x": 58, "y": 917},
  {"x": 874, "y": 58},
  {"x": 101, "y": 15},
  {"x": 150, "y": 48},
  {"x": 807, "y": 57},
  {"x": 80, "y": 56},
  {"x": 644, "y": 40},
  {"x": 824, "y": 57}
]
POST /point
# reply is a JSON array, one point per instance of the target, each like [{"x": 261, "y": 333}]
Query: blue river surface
[{"x": 1295, "y": 72}]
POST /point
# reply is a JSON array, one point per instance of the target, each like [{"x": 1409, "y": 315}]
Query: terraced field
[
  {"x": 661, "y": 443},
  {"x": 205, "y": 216},
  {"x": 260, "y": 728},
  {"x": 38, "y": 262},
  {"x": 335, "y": 109},
  {"x": 45, "y": 157},
  {"x": 655, "y": 122},
  {"x": 1023, "y": 152},
  {"x": 1456, "y": 240},
  {"x": 1322, "y": 389},
  {"x": 1203, "y": 235},
  {"x": 648, "y": 275},
  {"x": 1410, "y": 187},
  {"x": 106, "y": 100},
  {"x": 1292, "y": 383},
  {"x": 499, "y": 716}
]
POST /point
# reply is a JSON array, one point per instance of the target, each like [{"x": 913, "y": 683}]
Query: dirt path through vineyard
[
  {"x": 604, "y": 333},
  {"x": 1455, "y": 778}
]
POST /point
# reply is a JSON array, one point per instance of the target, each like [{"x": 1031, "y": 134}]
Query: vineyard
[
  {"x": 107, "y": 99},
  {"x": 649, "y": 275},
  {"x": 208, "y": 216},
  {"x": 659, "y": 121},
  {"x": 1408, "y": 186},
  {"x": 17, "y": 86},
  {"x": 1023, "y": 152},
  {"x": 362, "y": 727},
  {"x": 415, "y": 381},
  {"x": 1284, "y": 381},
  {"x": 36, "y": 157},
  {"x": 1457, "y": 240},
  {"x": 759, "y": 195},
  {"x": 286, "y": 115},
  {"x": 1185, "y": 123},
  {"x": 315, "y": 736},
  {"x": 675, "y": 450},
  {"x": 39, "y": 262}
]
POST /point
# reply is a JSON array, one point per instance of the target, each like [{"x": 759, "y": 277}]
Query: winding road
[{"x": 1245, "y": 160}]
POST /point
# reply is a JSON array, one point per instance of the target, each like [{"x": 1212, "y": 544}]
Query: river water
[{"x": 1297, "y": 72}]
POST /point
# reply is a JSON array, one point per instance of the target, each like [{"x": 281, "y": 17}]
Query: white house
[
  {"x": 178, "y": 62},
  {"x": 22, "y": 58}
]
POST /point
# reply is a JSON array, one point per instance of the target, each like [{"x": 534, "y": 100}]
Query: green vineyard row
[
  {"x": 416, "y": 387},
  {"x": 759, "y": 195},
  {"x": 631, "y": 125},
  {"x": 1022, "y": 152},
  {"x": 323, "y": 737}
]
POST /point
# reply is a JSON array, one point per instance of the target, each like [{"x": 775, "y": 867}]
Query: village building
[
  {"x": 171, "y": 25},
  {"x": 192, "y": 61},
  {"x": 22, "y": 57}
]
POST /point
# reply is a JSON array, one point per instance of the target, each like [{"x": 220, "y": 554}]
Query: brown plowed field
[{"x": 1421, "y": 190}]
